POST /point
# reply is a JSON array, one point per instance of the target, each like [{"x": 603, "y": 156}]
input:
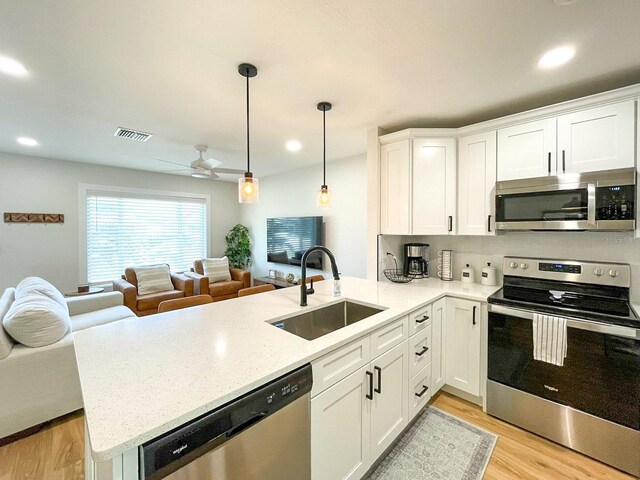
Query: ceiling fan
[{"x": 201, "y": 168}]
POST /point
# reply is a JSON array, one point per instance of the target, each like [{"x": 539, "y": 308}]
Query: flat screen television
[{"x": 289, "y": 237}]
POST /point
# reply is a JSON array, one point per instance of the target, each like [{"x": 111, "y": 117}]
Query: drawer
[
  {"x": 419, "y": 391},
  {"x": 419, "y": 350},
  {"x": 389, "y": 336},
  {"x": 419, "y": 319},
  {"x": 339, "y": 364}
]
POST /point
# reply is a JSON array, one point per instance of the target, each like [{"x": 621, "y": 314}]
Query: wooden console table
[{"x": 276, "y": 282}]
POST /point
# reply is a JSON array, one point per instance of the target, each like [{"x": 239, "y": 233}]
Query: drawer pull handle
[
  {"x": 370, "y": 394},
  {"x": 423, "y": 319},
  {"x": 423, "y": 351},
  {"x": 424, "y": 390},
  {"x": 379, "y": 388}
]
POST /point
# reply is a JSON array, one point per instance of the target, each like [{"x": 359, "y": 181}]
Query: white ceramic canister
[
  {"x": 468, "y": 275},
  {"x": 489, "y": 275}
]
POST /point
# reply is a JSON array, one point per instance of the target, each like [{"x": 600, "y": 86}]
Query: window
[{"x": 125, "y": 229}]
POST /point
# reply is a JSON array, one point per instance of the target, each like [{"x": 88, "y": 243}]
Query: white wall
[
  {"x": 293, "y": 194},
  {"x": 39, "y": 185},
  {"x": 619, "y": 247}
]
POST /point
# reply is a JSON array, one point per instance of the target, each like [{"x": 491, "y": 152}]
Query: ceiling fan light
[{"x": 248, "y": 189}]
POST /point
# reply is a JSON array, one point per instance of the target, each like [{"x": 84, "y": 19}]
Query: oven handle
[
  {"x": 603, "y": 328},
  {"x": 591, "y": 204}
]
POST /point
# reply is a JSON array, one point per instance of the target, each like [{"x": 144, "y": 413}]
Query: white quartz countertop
[{"x": 145, "y": 376}]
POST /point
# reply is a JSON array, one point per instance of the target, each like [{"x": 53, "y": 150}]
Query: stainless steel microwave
[{"x": 602, "y": 201}]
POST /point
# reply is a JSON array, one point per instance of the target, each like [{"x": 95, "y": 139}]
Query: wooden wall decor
[{"x": 10, "y": 217}]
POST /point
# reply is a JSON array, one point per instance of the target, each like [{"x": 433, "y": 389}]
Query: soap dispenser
[
  {"x": 489, "y": 275},
  {"x": 468, "y": 275}
]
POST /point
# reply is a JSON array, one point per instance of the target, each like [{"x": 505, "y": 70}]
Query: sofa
[
  {"x": 222, "y": 290},
  {"x": 147, "y": 304},
  {"x": 41, "y": 383}
]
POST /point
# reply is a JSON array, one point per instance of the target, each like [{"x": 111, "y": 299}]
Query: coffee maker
[{"x": 416, "y": 260}]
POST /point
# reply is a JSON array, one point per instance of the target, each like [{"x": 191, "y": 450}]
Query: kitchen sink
[{"x": 316, "y": 323}]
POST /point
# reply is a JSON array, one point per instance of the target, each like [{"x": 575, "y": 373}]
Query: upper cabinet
[
  {"x": 418, "y": 186},
  {"x": 600, "y": 138},
  {"x": 395, "y": 187},
  {"x": 596, "y": 139},
  {"x": 527, "y": 150},
  {"x": 434, "y": 186},
  {"x": 476, "y": 184}
]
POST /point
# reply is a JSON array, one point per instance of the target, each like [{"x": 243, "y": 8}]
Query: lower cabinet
[
  {"x": 438, "y": 358},
  {"x": 355, "y": 420},
  {"x": 462, "y": 345},
  {"x": 419, "y": 391}
]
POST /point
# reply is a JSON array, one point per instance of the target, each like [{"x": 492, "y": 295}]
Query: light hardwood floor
[{"x": 56, "y": 453}]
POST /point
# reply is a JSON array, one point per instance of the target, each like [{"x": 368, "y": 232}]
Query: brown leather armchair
[
  {"x": 219, "y": 290},
  {"x": 143, "y": 305}
]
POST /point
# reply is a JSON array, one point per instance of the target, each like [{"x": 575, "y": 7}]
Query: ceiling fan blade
[
  {"x": 212, "y": 162},
  {"x": 232, "y": 171},
  {"x": 173, "y": 163},
  {"x": 179, "y": 170}
]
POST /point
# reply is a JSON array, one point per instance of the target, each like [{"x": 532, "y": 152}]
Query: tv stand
[{"x": 276, "y": 282}]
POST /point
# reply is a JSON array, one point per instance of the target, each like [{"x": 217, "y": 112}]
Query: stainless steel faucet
[{"x": 303, "y": 286}]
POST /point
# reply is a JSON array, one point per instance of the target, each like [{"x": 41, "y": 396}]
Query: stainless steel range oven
[{"x": 592, "y": 402}]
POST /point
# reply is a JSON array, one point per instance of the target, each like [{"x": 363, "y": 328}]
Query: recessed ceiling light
[
  {"x": 13, "y": 67},
  {"x": 27, "y": 142},
  {"x": 293, "y": 145},
  {"x": 556, "y": 57}
]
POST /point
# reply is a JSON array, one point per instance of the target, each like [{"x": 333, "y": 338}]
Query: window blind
[{"x": 125, "y": 230}]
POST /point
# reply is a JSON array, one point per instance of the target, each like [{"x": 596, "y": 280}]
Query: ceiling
[{"x": 170, "y": 68}]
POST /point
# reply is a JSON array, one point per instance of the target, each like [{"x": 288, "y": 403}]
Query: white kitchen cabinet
[
  {"x": 419, "y": 391},
  {"x": 395, "y": 187},
  {"x": 420, "y": 351},
  {"x": 600, "y": 138},
  {"x": 340, "y": 429},
  {"x": 433, "y": 186},
  {"x": 527, "y": 150},
  {"x": 438, "y": 359},
  {"x": 476, "y": 184},
  {"x": 462, "y": 345},
  {"x": 389, "y": 407}
]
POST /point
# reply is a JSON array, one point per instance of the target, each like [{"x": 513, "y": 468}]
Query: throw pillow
[
  {"x": 6, "y": 342},
  {"x": 216, "y": 269},
  {"x": 153, "y": 278},
  {"x": 36, "y": 320},
  {"x": 40, "y": 286}
]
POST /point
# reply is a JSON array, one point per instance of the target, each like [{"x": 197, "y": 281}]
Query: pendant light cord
[
  {"x": 248, "y": 147},
  {"x": 324, "y": 147}
]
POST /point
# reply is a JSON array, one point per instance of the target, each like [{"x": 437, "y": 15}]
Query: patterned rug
[{"x": 438, "y": 446}]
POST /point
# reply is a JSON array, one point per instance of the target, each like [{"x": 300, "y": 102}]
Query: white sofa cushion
[
  {"x": 154, "y": 278},
  {"x": 216, "y": 269},
  {"x": 36, "y": 320},
  {"x": 100, "y": 317},
  {"x": 42, "y": 287},
  {"x": 6, "y": 342}
]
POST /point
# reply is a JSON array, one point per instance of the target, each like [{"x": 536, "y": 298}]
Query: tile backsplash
[{"x": 621, "y": 247}]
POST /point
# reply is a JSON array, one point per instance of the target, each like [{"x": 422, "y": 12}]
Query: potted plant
[{"x": 238, "y": 247}]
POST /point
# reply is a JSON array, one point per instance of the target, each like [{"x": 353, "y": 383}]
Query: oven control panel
[{"x": 596, "y": 273}]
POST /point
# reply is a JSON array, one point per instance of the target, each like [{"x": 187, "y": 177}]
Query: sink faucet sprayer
[{"x": 334, "y": 270}]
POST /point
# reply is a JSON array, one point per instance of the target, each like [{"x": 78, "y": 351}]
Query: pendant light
[
  {"x": 248, "y": 187},
  {"x": 324, "y": 196}
]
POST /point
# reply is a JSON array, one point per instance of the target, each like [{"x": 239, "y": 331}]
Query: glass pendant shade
[
  {"x": 324, "y": 197},
  {"x": 248, "y": 189}
]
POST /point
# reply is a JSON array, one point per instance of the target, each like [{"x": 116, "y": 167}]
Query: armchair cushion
[
  {"x": 6, "y": 342},
  {"x": 36, "y": 320},
  {"x": 216, "y": 269},
  {"x": 153, "y": 278},
  {"x": 151, "y": 301},
  {"x": 220, "y": 289}
]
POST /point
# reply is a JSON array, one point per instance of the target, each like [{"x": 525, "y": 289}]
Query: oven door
[
  {"x": 600, "y": 376},
  {"x": 560, "y": 207}
]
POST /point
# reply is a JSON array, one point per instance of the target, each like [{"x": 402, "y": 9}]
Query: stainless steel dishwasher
[{"x": 265, "y": 434}]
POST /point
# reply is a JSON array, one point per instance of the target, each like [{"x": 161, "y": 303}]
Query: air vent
[{"x": 132, "y": 134}]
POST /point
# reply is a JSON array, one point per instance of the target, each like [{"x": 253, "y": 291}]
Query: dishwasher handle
[{"x": 243, "y": 426}]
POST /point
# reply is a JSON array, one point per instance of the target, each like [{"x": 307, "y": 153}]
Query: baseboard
[{"x": 463, "y": 395}]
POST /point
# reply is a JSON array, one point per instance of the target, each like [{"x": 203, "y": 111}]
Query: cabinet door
[
  {"x": 438, "y": 358},
  {"x": 600, "y": 138},
  {"x": 476, "y": 184},
  {"x": 462, "y": 345},
  {"x": 395, "y": 187},
  {"x": 340, "y": 429},
  {"x": 389, "y": 408},
  {"x": 527, "y": 150},
  {"x": 434, "y": 186}
]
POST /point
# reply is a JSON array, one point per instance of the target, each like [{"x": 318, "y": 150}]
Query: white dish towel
[{"x": 549, "y": 339}]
